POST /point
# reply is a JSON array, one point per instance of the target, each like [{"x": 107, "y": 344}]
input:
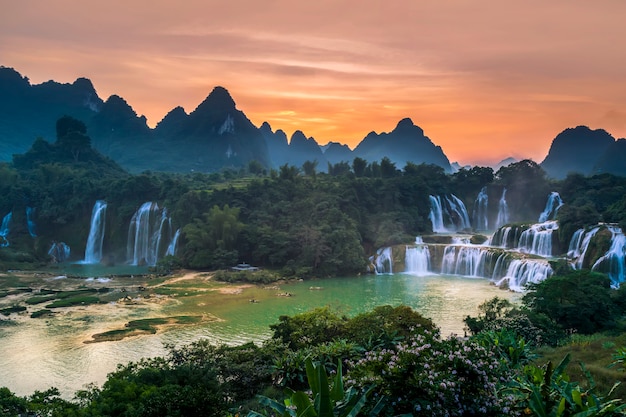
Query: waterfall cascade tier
[
  {"x": 553, "y": 205},
  {"x": 535, "y": 239},
  {"x": 611, "y": 261},
  {"x": 150, "y": 235},
  {"x": 93, "y": 250},
  {"x": 448, "y": 214},
  {"x": 505, "y": 268}
]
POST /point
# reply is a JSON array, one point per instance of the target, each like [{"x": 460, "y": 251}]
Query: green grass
[
  {"x": 596, "y": 352},
  {"x": 15, "y": 309},
  {"x": 143, "y": 326},
  {"x": 74, "y": 301},
  {"x": 62, "y": 295},
  {"x": 41, "y": 313}
]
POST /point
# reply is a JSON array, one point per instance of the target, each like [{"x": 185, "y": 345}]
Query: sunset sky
[{"x": 485, "y": 79}]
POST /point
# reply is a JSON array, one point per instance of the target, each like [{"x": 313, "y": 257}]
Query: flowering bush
[{"x": 433, "y": 377}]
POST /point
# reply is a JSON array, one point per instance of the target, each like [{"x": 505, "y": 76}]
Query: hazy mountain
[
  {"x": 576, "y": 150},
  {"x": 505, "y": 163},
  {"x": 406, "y": 143},
  {"x": 613, "y": 160},
  {"x": 277, "y": 145},
  {"x": 302, "y": 149},
  {"x": 336, "y": 152}
]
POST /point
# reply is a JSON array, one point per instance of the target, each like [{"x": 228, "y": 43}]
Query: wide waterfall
[
  {"x": 149, "y": 235},
  {"x": 553, "y": 205},
  {"x": 481, "y": 221},
  {"x": 93, "y": 250},
  {"x": 466, "y": 260},
  {"x": 448, "y": 214},
  {"x": 5, "y": 229},
  {"x": 30, "y": 223},
  {"x": 503, "y": 211},
  {"x": 522, "y": 272},
  {"x": 537, "y": 239},
  {"x": 417, "y": 260}
]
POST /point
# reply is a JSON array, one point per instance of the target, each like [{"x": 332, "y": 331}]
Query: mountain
[
  {"x": 406, "y": 143},
  {"x": 613, "y": 160},
  {"x": 505, "y": 163},
  {"x": 577, "y": 150},
  {"x": 277, "y": 145},
  {"x": 336, "y": 152},
  {"x": 214, "y": 136}
]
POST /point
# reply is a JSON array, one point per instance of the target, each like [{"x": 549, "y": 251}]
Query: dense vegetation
[{"x": 301, "y": 222}]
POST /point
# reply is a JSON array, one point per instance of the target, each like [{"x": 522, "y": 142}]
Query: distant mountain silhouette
[
  {"x": 336, "y": 152},
  {"x": 406, "y": 143},
  {"x": 613, "y": 160},
  {"x": 579, "y": 150}
]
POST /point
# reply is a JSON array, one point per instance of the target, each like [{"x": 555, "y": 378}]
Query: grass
[
  {"x": 41, "y": 313},
  {"x": 15, "y": 309},
  {"x": 61, "y": 295},
  {"x": 596, "y": 352},
  {"x": 143, "y": 326},
  {"x": 74, "y": 301}
]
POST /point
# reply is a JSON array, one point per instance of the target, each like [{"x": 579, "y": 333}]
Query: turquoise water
[{"x": 37, "y": 354}]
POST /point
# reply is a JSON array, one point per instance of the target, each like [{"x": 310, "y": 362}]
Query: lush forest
[{"x": 313, "y": 221}]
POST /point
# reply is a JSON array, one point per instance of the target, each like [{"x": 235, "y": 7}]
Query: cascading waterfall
[
  {"x": 502, "y": 238},
  {"x": 466, "y": 260},
  {"x": 93, "y": 250},
  {"x": 522, "y": 272},
  {"x": 578, "y": 246},
  {"x": 171, "y": 249},
  {"x": 613, "y": 260},
  {"x": 481, "y": 221},
  {"x": 537, "y": 239},
  {"x": 436, "y": 214},
  {"x": 553, "y": 205},
  {"x": 448, "y": 214},
  {"x": 59, "y": 251},
  {"x": 384, "y": 261},
  {"x": 30, "y": 223},
  {"x": 149, "y": 235},
  {"x": 503, "y": 211},
  {"x": 417, "y": 260},
  {"x": 5, "y": 229}
]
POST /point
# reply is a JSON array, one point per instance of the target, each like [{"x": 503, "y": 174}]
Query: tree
[
  {"x": 72, "y": 136},
  {"x": 309, "y": 168},
  {"x": 358, "y": 167}
]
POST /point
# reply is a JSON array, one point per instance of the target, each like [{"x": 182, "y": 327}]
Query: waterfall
[
  {"x": 383, "y": 261},
  {"x": 448, "y": 214},
  {"x": 59, "y": 252},
  {"x": 614, "y": 257},
  {"x": 149, "y": 235},
  {"x": 436, "y": 214},
  {"x": 5, "y": 229},
  {"x": 578, "y": 246},
  {"x": 503, "y": 211},
  {"x": 467, "y": 260},
  {"x": 417, "y": 260},
  {"x": 481, "y": 221},
  {"x": 553, "y": 205},
  {"x": 171, "y": 249},
  {"x": 458, "y": 212},
  {"x": 522, "y": 272},
  {"x": 30, "y": 223},
  {"x": 93, "y": 250},
  {"x": 501, "y": 238},
  {"x": 537, "y": 239}
]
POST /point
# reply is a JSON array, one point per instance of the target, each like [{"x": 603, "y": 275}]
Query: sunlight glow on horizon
[{"x": 485, "y": 80}]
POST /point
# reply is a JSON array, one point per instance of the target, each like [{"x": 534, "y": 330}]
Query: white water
[
  {"x": 481, "y": 221},
  {"x": 5, "y": 229},
  {"x": 417, "y": 260},
  {"x": 613, "y": 260},
  {"x": 59, "y": 251},
  {"x": 30, "y": 223},
  {"x": 578, "y": 246},
  {"x": 522, "y": 272},
  {"x": 503, "y": 211},
  {"x": 384, "y": 261},
  {"x": 171, "y": 249},
  {"x": 150, "y": 235},
  {"x": 537, "y": 239},
  {"x": 448, "y": 214},
  {"x": 553, "y": 205},
  {"x": 93, "y": 250}
]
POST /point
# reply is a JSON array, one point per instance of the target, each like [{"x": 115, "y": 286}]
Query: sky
[{"x": 484, "y": 79}]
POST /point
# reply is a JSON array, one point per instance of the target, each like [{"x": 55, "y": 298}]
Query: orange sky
[{"x": 485, "y": 79}]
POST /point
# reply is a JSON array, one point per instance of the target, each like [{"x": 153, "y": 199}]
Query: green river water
[{"x": 36, "y": 354}]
